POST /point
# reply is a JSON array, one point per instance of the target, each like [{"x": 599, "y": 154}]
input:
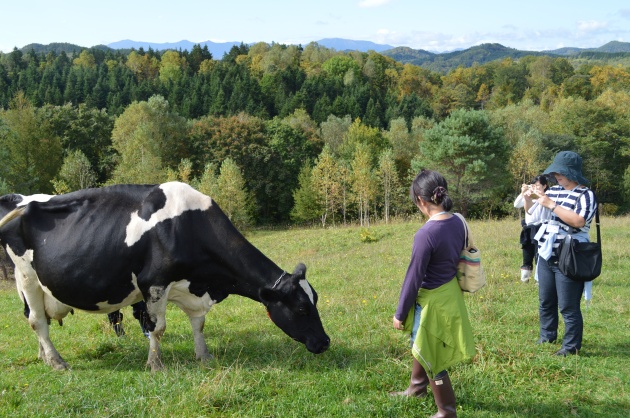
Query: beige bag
[{"x": 470, "y": 273}]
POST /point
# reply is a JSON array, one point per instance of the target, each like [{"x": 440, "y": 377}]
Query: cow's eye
[{"x": 303, "y": 310}]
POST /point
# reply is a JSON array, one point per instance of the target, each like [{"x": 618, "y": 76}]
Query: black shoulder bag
[{"x": 581, "y": 261}]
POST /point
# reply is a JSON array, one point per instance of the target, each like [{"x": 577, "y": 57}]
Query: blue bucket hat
[{"x": 568, "y": 164}]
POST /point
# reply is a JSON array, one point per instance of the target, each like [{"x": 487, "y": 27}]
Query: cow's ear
[
  {"x": 300, "y": 270},
  {"x": 269, "y": 295}
]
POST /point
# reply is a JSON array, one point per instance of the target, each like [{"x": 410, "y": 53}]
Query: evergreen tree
[{"x": 470, "y": 153}]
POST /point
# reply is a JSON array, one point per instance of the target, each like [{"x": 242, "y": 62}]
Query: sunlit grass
[{"x": 257, "y": 371}]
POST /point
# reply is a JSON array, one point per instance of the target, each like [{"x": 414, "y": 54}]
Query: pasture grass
[{"x": 257, "y": 371}]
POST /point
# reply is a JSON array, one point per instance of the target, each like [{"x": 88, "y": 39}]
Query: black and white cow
[
  {"x": 13, "y": 201},
  {"x": 102, "y": 249}
]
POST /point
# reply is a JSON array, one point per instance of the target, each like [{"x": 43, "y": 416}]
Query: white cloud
[
  {"x": 373, "y": 3},
  {"x": 591, "y": 26}
]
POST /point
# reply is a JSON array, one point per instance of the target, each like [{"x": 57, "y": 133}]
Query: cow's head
[
  {"x": 9, "y": 202},
  {"x": 292, "y": 306}
]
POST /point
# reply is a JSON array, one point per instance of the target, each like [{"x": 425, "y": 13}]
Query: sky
[{"x": 436, "y": 26}]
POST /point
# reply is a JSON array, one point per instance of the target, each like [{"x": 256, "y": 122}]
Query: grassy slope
[{"x": 259, "y": 372}]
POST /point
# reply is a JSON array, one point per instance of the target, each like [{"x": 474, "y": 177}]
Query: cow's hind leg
[
  {"x": 115, "y": 320},
  {"x": 140, "y": 313},
  {"x": 156, "y": 308},
  {"x": 201, "y": 349}
]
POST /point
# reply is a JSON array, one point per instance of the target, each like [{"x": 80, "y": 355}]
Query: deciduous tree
[
  {"x": 76, "y": 173},
  {"x": 231, "y": 194},
  {"x": 363, "y": 182},
  {"x": 32, "y": 152}
]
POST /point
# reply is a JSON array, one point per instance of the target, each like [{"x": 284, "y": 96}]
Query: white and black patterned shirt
[{"x": 580, "y": 200}]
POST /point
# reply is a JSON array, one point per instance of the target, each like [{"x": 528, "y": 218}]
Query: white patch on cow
[
  {"x": 28, "y": 282},
  {"x": 180, "y": 197},
  {"x": 308, "y": 289},
  {"x": 34, "y": 198},
  {"x": 193, "y": 306}
]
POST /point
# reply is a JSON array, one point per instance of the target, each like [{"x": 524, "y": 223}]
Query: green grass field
[{"x": 258, "y": 371}]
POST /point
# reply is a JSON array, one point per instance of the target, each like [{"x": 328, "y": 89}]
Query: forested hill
[
  {"x": 612, "y": 52},
  {"x": 317, "y": 134},
  {"x": 485, "y": 53},
  {"x": 446, "y": 62}
]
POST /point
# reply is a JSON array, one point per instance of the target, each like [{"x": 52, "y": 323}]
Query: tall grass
[{"x": 258, "y": 371}]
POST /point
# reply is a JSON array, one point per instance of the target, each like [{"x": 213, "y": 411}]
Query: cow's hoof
[
  {"x": 58, "y": 364},
  {"x": 156, "y": 366},
  {"x": 205, "y": 357}
]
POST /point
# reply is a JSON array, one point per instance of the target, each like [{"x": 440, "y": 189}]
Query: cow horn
[{"x": 12, "y": 215}]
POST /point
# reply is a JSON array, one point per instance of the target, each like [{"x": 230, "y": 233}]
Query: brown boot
[
  {"x": 444, "y": 397},
  {"x": 418, "y": 383}
]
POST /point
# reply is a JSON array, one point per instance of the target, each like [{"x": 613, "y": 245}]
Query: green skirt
[{"x": 445, "y": 335}]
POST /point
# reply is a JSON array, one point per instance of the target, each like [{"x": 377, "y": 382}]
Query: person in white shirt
[{"x": 533, "y": 218}]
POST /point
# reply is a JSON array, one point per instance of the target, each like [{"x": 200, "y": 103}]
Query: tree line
[{"x": 281, "y": 134}]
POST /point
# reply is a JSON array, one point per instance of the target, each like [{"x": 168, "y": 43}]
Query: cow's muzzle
[{"x": 318, "y": 346}]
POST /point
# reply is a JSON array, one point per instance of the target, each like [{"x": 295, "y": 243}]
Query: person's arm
[
  {"x": 526, "y": 191},
  {"x": 568, "y": 216},
  {"x": 420, "y": 256}
]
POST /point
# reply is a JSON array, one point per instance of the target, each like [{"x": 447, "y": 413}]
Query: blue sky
[{"x": 432, "y": 25}]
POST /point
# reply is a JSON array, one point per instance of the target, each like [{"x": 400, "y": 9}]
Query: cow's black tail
[{"x": 15, "y": 213}]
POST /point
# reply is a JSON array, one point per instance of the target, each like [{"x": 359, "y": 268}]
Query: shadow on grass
[{"x": 249, "y": 349}]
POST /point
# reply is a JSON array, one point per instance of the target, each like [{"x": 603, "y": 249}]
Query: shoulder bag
[
  {"x": 470, "y": 274},
  {"x": 581, "y": 261}
]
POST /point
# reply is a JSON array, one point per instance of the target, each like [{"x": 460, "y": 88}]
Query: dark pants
[
  {"x": 555, "y": 290},
  {"x": 529, "y": 245},
  {"x": 529, "y": 252}
]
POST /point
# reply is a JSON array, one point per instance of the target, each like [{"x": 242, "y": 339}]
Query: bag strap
[
  {"x": 599, "y": 237},
  {"x": 468, "y": 237}
]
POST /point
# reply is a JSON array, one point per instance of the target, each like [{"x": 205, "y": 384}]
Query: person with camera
[
  {"x": 533, "y": 218},
  {"x": 572, "y": 206}
]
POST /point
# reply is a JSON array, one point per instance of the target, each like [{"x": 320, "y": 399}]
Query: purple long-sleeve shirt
[{"x": 434, "y": 258}]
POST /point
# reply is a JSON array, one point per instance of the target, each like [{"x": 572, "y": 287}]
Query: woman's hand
[
  {"x": 529, "y": 193},
  {"x": 546, "y": 202},
  {"x": 398, "y": 324}
]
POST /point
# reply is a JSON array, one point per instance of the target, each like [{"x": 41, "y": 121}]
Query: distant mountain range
[
  {"x": 435, "y": 61},
  {"x": 219, "y": 48}
]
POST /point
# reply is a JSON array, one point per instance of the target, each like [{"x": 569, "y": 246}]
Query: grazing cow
[
  {"x": 10, "y": 202},
  {"x": 102, "y": 249}
]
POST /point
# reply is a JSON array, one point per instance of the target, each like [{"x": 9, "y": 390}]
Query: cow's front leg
[
  {"x": 39, "y": 323},
  {"x": 33, "y": 297},
  {"x": 47, "y": 351},
  {"x": 201, "y": 349}
]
